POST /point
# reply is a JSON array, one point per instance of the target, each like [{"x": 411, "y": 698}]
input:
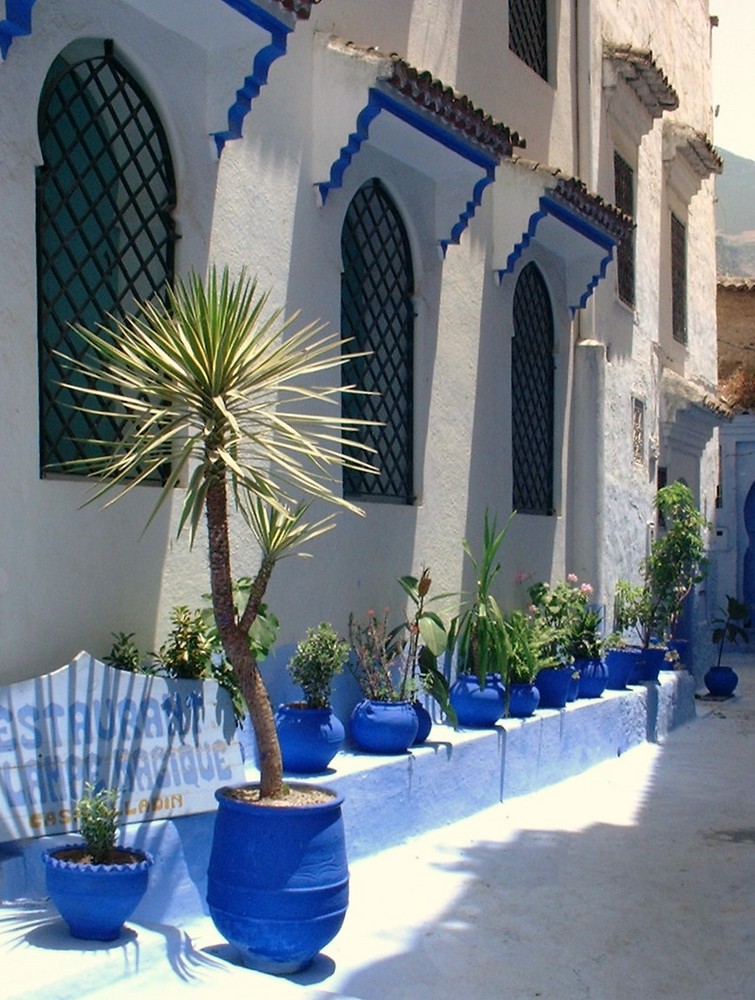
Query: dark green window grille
[
  {"x": 528, "y": 33},
  {"x": 377, "y": 311},
  {"x": 105, "y": 235},
  {"x": 532, "y": 371},
  {"x": 678, "y": 280},
  {"x": 624, "y": 199}
]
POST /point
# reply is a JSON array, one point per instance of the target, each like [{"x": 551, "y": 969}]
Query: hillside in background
[{"x": 735, "y": 217}]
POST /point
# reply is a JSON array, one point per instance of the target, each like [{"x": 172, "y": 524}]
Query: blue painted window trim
[
  {"x": 379, "y": 101},
  {"x": 17, "y": 22},
  {"x": 572, "y": 219}
]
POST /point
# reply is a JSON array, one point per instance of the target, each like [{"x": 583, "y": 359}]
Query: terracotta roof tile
[
  {"x": 735, "y": 284},
  {"x": 639, "y": 69},
  {"x": 695, "y": 147},
  {"x": 456, "y": 109}
]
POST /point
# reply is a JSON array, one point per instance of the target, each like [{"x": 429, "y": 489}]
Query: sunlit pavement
[{"x": 634, "y": 879}]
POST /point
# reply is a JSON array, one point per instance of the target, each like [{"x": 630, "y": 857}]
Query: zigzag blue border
[
  {"x": 17, "y": 22},
  {"x": 253, "y": 83},
  {"x": 377, "y": 101},
  {"x": 549, "y": 206}
]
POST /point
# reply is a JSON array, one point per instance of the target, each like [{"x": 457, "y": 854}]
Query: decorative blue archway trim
[
  {"x": 257, "y": 79},
  {"x": 17, "y": 22},
  {"x": 378, "y": 101},
  {"x": 550, "y": 206}
]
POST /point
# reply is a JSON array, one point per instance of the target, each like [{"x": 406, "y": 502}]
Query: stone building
[{"x": 528, "y": 187}]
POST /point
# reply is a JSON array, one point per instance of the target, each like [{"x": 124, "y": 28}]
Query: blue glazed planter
[
  {"x": 309, "y": 737},
  {"x": 593, "y": 677},
  {"x": 651, "y": 662},
  {"x": 278, "y": 880},
  {"x": 95, "y": 900},
  {"x": 553, "y": 685},
  {"x": 424, "y": 723},
  {"x": 523, "y": 700},
  {"x": 622, "y": 666},
  {"x": 384, "y": 727},
  {"x": 476, "y": 707},
  {"x": 721, "y": 682}
]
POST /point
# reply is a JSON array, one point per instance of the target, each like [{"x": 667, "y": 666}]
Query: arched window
[
  {"x": 105, "y": 235},
  {"x": 378, "y": 313},
  {"x": 532, "y": 395}
]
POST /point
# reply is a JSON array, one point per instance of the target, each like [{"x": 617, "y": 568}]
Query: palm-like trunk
[{"x": 234, "y": 634}]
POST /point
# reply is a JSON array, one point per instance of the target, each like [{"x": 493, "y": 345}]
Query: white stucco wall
[{"x": 70, "y": 577}]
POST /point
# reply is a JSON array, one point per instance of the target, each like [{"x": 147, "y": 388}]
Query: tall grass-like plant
[{"x": 230, "y": 400}]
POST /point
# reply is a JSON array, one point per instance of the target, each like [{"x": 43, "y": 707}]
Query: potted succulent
[
  {"x": 309, "y": 731},
  {"x": 96, "y": 885},
  {"x": 730, "y": 626},
  {"x": 212, "y": 391},
  {"x": 478, "y": 694}
]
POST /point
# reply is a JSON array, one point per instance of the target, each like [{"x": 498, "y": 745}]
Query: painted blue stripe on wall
[
  {"x": 17, "y": 22},
  {"x": 378, "y": 101}
]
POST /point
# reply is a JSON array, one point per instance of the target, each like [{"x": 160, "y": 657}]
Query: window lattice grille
[
  {"x": 378, "y": 312},
  {"x": 532, "y": 370},
  {"x": 624, "y": 199},
  {"x": 105, "y": 236},
  {"x": 678, "y": 280},
  {"x": 528, "y": 33}
]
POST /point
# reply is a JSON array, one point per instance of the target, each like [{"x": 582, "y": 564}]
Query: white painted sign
[{"x": 165, "y": 745}]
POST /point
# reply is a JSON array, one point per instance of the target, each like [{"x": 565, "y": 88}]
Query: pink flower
[
  {"x": 572, "y": 578},
  {"x": 521, "y": 577},
  {"x": 586, "y": 588}
]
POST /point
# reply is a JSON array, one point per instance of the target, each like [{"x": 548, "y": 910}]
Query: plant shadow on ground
[
  {"x": 655, "y": 903},
  {"x": 40, "y": 926}
]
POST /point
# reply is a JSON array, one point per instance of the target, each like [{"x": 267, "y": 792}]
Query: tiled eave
[
  {"x": 423, "y": 90},
  {"x": 579, "y": 227},
  {"x": 412, "y": 117},
  {"x": 681, "y": 397},
  {"x": 694, "y": 147},
  {"x": 638, "y": 68},
  {"x": 730, "y": 283}
]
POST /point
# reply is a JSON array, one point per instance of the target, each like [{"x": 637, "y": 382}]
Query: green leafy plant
[
  {"x": 187, "y": 652},
  {"x": 316, "y": 661},
  {"x": 227, "y": 398},
  {"x": 427, "y": 640},
  {"x": 731, "y": 625},
  {"x": 124, "y": 654},
  {"x": 574, "y": 625},
  {"x": 97, "y": 815},
  {"x": 479, "y": 628},
  {"x": 528, "y": 644}
]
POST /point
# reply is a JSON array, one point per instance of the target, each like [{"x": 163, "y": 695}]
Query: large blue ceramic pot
[
  {"x": 386, "y": 727},
  {"x": 476, "y": 707},
  {"x": 651, "y": 662},
  {"x": 309, "y": 737},
  {"x": 278, "y": 880},
  {"x": 553, "y": 685},
  {"x": 593, "y": 676},
  {"x": 95, "y": 900},
  {"x": 523, "y": 700},
  {"x": 622, "y": 666},
  {"x": 721, "y": 682}
]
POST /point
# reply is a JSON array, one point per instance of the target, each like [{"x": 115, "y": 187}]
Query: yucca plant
[{"x": 222, "y": 394}]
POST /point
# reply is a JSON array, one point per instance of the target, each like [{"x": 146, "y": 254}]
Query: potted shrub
[
  {"x": 385, "y": 720},
  {"x": 96, "y": 885},
  {"x": 309, "y": 731},
  {"x": 478, "y": 695},
  {"x": 676, "y": 563},
  {"x": 212, "y": 391},
  {"x": 392, "y": 667},
  {"x": 730, "y": 626},
  {"x": 526, "y": 644}
]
